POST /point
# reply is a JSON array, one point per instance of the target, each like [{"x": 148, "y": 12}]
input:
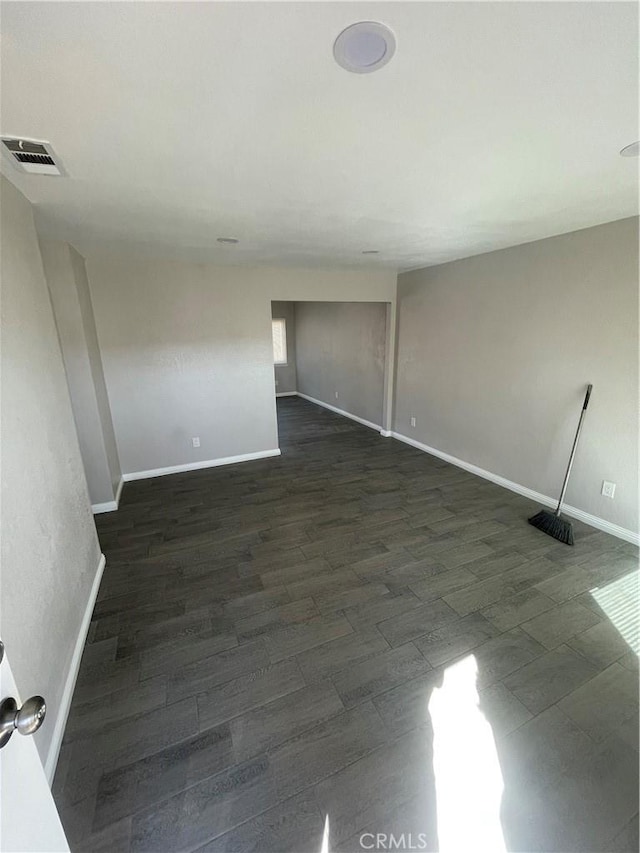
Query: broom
[{"x": 550, "y": 522}]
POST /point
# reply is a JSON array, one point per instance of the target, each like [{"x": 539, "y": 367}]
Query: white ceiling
[{"x": 494, "y": 124}]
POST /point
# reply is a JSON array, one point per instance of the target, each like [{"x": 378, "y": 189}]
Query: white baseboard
[
  {"x": 196, "y": 466},
  {"x": 545, "y": 500},
  {"x": 287, "y": 394},
  {"x": 109, "y": 506},
  {"x": 72, "y": 675},
  {"x": 342, "y": 412},
  {"x": 386, "y": 433}
]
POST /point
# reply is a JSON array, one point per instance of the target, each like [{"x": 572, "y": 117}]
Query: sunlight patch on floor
[
  {"x": 325, "y": 836},
  {"x": 619, "y": 600},
  {"x": 468, "y": 777}
]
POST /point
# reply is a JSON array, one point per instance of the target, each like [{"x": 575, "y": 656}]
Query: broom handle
[{"x": 573, "y": 449}]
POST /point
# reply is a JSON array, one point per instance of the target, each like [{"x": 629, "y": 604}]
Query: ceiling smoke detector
[
  {"x": 632, "y": 150},
  {"x": 33, "y": 156},
  {"x": 364, "y": 47}
]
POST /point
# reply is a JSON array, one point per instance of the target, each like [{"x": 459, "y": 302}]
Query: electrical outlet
[
  {"x": 337, "y": 395},
  {"x": 413, "y": 421},
  {"x": 276, "y": 383},
  {"x": 195, "y": 441},
  {"x": 608, "y": 489}
]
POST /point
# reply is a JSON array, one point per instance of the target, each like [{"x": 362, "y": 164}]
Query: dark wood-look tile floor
[{"x": 355, "y": 630}]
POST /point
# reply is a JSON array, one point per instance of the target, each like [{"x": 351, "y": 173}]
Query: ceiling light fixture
[
  {"x": 370, "y": 252},
  {"x": 229, "y": 240},
  {"x": 364, "y": 47},
  {"x": 632, "y": 150}
]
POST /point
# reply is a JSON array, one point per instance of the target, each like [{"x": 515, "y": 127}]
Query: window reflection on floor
[
  {"x": 468, "y": 777},
  {"x": 619, "y": 601}
]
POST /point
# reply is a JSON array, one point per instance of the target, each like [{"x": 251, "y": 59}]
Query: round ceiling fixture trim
[
  {"x": 364, "y": 47},
  {"x": 230, "y": 240},
  {"x": 632, "y": 150}
]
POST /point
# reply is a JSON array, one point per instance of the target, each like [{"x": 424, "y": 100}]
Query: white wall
[
  {"x": 187, "y": 351},
  {"x": 49, "y": 549},
  {"x": 495, "y": 352},
  {"x": 341, "y": 349},
  {"x": 67, "y": 281},
  {"x": 286, "y": 374}
]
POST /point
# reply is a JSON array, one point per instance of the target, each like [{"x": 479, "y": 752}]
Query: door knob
[{"x": 26, "y": 720}]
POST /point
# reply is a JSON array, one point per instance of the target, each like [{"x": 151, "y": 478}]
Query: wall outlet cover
[
  {"x": 413, "y": 421},
  {"x": 608, "y": 489},
  {"x": 195, "y": 441}
]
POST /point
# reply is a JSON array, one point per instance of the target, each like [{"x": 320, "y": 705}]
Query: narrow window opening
[{"x": 279, "y": 333}]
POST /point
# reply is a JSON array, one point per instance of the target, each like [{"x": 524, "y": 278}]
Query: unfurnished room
[{"x": 319, "y": 403}]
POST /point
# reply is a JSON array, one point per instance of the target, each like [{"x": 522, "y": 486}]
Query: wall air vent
[{"x": 32, "y": 156}]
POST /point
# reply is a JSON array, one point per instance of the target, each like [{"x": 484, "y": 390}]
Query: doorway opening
[{"x": 338, "y": 355}]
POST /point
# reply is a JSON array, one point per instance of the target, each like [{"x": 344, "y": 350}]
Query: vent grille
[
  {"x": 32, "y": 156},
  {"x": 26, "y": 145}
]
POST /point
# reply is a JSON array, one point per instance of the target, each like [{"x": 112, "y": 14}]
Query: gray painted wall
[
  {"x": 286, "y": 378},
  {"x": 97, "y": 372},
  {"x": 187, "y": 351},
  {"x": 49, "y": 552},
  {"x": 68, "y": 286},
  {"x": 495, "y": 351},
  {"x": 341, "y": 348}
]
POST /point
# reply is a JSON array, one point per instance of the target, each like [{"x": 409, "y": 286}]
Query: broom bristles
[{"x": 553, "y": 525}]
